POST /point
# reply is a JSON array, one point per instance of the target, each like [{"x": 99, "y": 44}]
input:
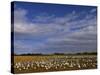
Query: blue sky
[{"x": 50, "y": 28}]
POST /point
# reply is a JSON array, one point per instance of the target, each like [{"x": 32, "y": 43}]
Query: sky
[{"x": 54, "y": 28}]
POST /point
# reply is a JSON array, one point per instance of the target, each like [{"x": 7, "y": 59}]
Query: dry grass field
[{"x": 29, "y": 64}]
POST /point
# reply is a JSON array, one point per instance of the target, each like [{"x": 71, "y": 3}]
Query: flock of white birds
[{"x": 63, "y": 63}]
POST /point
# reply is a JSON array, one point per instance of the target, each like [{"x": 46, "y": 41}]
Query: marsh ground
[{"x": 29, "y": 64}]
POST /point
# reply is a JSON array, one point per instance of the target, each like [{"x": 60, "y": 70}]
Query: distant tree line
[
  {"x": 87, "y": 53},
  {"x": 40, "y": 54}
]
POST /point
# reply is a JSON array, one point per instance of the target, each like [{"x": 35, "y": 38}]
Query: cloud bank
[{"x": 49, "y": 33}]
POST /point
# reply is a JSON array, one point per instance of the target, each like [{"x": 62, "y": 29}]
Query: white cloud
[
  {"x": 93, "y": 10},
  {"x": 20, "y": 15},
  {"x": 23, "y": 26}
]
